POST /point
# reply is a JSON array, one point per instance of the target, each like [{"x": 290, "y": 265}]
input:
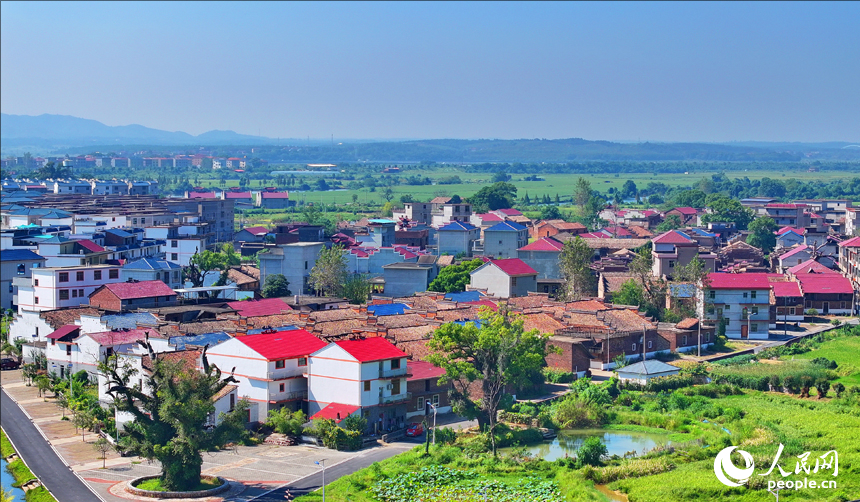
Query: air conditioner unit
[{"x": 389, "y": 386}]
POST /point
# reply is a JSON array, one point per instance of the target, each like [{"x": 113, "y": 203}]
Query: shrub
[
  {"x": 838, "y": 388},
  {"x": 285, "y": 421},
  {"x": 445, "y": 435},
  {"x": 666, "y": 383},
  {"x": 629, "y": 469},
  {"x": 775, "y": 383},
  {"x": 591, "y": 451},
  {"x": 823, "y": 386},
  {"x": 824, "y": 363},
  {"x": 556, "y": 375}
]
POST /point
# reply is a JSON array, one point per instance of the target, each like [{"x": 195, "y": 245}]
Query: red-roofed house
[
  {"x": 687, "y": 215},
  {"x": 549, "y": 228},
  {"x": 675, "y": 249},
  {"x": 507, "y": 278},
  {"x": 271, "y": 368},
  {"x": 70, "y": 350},
  {"x": 336, "y": 411},
  {"x": 369, "y": 373},
  {"x": 423, "y": 386},
  {"x": 849, "y": 260},
  {"x": 121, "y": 296},
  {"x": 251, "y": 234},
  {"x": 786, "y": 302},
  {"x": 742, "y": 301},
  {"x": 274, "y": 200},
  {"x": 200, "y": 195},
  {"x": 542, "y": 255},
  {"x": 827, "y": 293}
]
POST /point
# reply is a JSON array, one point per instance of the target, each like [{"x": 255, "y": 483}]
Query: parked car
[
  {"x": 8, "y": 363},
  {"x": 415, "y": 429}
]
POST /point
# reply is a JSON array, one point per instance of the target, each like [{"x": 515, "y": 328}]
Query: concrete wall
[{"x": 544, "y": 262}]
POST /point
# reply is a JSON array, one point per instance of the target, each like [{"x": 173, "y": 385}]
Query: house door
[
  {"x": 826, "y": 307},
  {"x": 745, "y": 331}
]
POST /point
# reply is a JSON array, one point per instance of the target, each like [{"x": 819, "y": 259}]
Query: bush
[
  {"x": 556, "y": 375},
  {"x": 285, "y": 421},
  {"x": 591, "y": 451},
  {"x": 666, "y": 383},
  {"x": 445, "y": 435}
]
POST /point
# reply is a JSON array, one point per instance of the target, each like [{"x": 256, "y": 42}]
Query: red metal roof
[
  {"x": 514, "y": 267},
  {"x": 784, "y": 230},
  {"x": 824, "y": 283},
  {"x": 141, "y": 289},
  {"x": 672, "y": 237},
  {"x": 784, "y": 206},
  {"x": 275, "y": 195},
  {"x": 783, "y": 287},
  {"x": 543, "y": 244},
  {"x": 422, "y": 370},
  {"x": 256, "y": 230},
  {"x": 335, "y": 410},
  {"x": 91, "y": 246},
  {"x": 123, "y": 337},
  {"x": 794, "y": 251},
  {"x": 63, "y": 331},
  {"x": 371, "y": 349},
  {"x": 688, "y": 211},
  {"x": 201, "y": 195},
  {"x": 510, "y": 212},
  {"x": 255, "y": 308},
  {"x": 853, "y": 242},
  {"x": 283, "y": 344},
  {"x": 483, "y": 303},
  {"x": 490, "y": 217},
  {"x": 810, "y": 266},
  {"x": 739, "y": 281},
  {"x": 237, "y": 195}
]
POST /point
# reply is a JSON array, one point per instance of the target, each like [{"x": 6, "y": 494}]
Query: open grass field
[
  {"x": 846, "y": 352},
  {"x": 561, "y": 184}
]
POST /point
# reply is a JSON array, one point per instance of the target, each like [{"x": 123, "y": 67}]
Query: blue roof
[
  {"x": 682, "y": 290},
  {"x": 278, "y": 329},
  {"x": 130, "y": 320},
  {"x": 150, "y": 264},
  {"x": 118, "y": 232},
  {"x": 210, "y": 339},
  {"x": 381, "y": 221},
  {"x": 465, "y": 296},
  {"x": 476, "y": 322},
  {"x": 19, "y": 255},
  {"x": 457, "y": 226},
  {"x": 506, "y": 226},
  {"x": 650, "y": 367},
  {"x": 699, "y": 231},
  {"x": 388, "y": 309}
]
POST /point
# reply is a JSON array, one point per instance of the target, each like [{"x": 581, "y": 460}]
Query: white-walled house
[
  {"x": 505, "y": 278},
  {"x": 84, "y": 351},
  {"x": 743, "y": 300},
  {"x": 270, "y": 367},
  {"x": 52, "y": 288},
  {"x": 367, "y": 376}
]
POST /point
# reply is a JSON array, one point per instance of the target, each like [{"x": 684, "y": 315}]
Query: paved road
[
  {"x": 314, "y": 481},
  {"x": 39, "y": 455}
]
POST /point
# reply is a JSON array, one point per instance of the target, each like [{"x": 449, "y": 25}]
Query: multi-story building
[
  {"x": 444, "y": 213},
  {"x": 423, "y": 386},
  {"x": 274, "y": 200},
  {"x": 15, "y": 264},
  {"x": 741, "y": 301},
  {"x": 71, "y": 187},
  {"x": 456, "y": 238},
  {"x": 153, "y": 269},
  {"x": 112, "y": 187},
  {"x": 542, "y": 255},
  {"x": 294, "y": 261},
  {"x": 180, "y": 242},
  {"x": 506, "y": 278},
  {"x": 53, "y": 288},
  {"x": 675, "y": 249},
  {"x": 368, "y": 376},
  {"x": 502, "y": 240}
]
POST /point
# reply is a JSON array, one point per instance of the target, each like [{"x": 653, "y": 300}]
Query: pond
[
  {"x": 617, "y": 442},
  {"x": 6, "y": 479}
]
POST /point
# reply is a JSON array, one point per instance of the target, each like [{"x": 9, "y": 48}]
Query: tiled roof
[
  {"x": 68, "y": 329},
  {"x": 784, "y": 206},
  {"x": 483, "y": 303},
  {"x": 440, "y": 200},
  {"x": 625, "y": 320},
  {"x": 201, "y": 327},
  {"x": 672, "y": 237},
  {"x": 506, "y": 226},
  {"x": 141, "y": 289},
  {"x": 224, "y": 392},
  {"x": 337, "y": 328},
  {"x": 274, "y": 320},
  {"x": 688, "y": 323},
  {"x": 811, "y": 266},
  {"x": 256, "y": 230},
  {"x": 824, "y": 283},
  {"x": 336, "y": 411},
  {"x": 589, "y": 305},
  {"x": 371, "y": 349},
  {"x": 513, "y": 267},
  {"x": 543, "y": 244},
  {"x": 650, "y": 367},
  {"x": 19, "y": 255},
  {"x": 210, "y": 339},
  {"x": 640, "y": 232},
  {"x": 283, "y": 344},
  {"x": 239, "y": 277},
  {"x": 541, "y": 322},
  {"x": 130, "y": 320},
  {"x": 123, "y": 337},
  {"x": 530, "y": 301},
  {"x": 416, "y": 349},
  {"x": 422, "y": 370},
  {"x": 90, "y": 246},
  {"x": 402, "y": 321},
  {"x": 335, "y": 315},
  {"x": 254, "y": 308},
  {"x": 151, "y": 264},
  {"x": 754, "y": 280},
  {"x": 61, "y": 317},
  {"x": 457, "y": 226},
  {"x": 188, "y": 358},
  {"x": 412, "y": 333}
]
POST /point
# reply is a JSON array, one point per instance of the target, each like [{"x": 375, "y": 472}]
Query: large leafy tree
[
  {"x": 499, "y": 354},
  {"x": 499, "y": 195},
  {"x": 329, "y": 273},
  {"x": 653, "y": 288},
  {"x": 575, "y": 265},
  {"x": 762, "y": 234},
  {"x": 671, "y": 222},
  {"x": 276, "y": 286},
  {"x": 357, "y": 289},
  {"x": 728, "y": 210},
  {"x": 171, "y": 410},
  {"x": 454, "y": 278}
]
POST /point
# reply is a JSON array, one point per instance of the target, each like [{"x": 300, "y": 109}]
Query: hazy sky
[{"x": 675, "y": 71}]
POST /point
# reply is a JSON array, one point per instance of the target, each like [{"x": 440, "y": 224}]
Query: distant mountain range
[{"x": 66, "y": 134}]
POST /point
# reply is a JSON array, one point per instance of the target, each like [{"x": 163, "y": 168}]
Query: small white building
[
  {"x": 644, "y": 371},
  {"x": 741, "y": 300},
  {"x": 507, "y": 278}
]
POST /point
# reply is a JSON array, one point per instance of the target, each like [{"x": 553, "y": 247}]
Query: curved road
[{"x": 40, "y": 457}]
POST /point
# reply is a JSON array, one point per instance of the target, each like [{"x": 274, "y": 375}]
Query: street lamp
[
  {"x": 428, "y": 403},
  {"x": 322, "y": 463}
]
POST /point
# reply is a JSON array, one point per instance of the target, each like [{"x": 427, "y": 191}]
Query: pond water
[
  {"x": 617, "y": 442},
  {"x": 6, "y": 480}
]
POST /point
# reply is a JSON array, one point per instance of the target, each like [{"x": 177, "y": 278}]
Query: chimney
[
  {"x": 303, "y": 315},
  {"x": 371, "y": 320},
  {"x": 338, "y": 415}
]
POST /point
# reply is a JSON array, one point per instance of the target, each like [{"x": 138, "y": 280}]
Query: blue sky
[{"x": 674, "y": 71}]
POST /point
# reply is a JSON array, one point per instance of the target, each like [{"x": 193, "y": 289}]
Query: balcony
[
  {"x": 283, "y": 374},
  {"x": 404, "y": 397},
  {"x": 291, "y": 396},
  {"x": 386, "y": 374}
]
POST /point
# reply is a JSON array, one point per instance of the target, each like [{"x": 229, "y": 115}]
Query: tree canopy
[
  {"x": 329, "y": 273},
  {"x": 276, "y": 285},
  {"x": 454, "y": 278},
  {"x": 728, "y": 210},
  {"x": 762, "y": 234},
  {"x": 499, "y": 195},
  {"x": 575, "y": 265}
]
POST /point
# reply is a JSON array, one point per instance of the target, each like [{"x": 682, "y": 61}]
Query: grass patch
[
  {"x": 846, "y": 352},
  {"x": 6, "y": 448},
  {"x": 40, "y": 494},
  {"x": 637, "y": 428},
  {"x": 20, "y": 472},
  {"x": 154, "y": 485}
]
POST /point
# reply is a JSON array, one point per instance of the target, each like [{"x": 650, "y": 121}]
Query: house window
[
  {"x": 649, "y": 344},
  {"x": 367, "y": 386},
  {"x": 791, "y": 311},
  {"x": 303, "y": 361},
  {"x": 79, "y": 276},
  {"x": 134, "y": 221},
  {"x": 671, "y": 264},
  {"x": 97, "y": 275},
  {"x": 74, "y": 293},
  {"x": 435, "y": 399},
  {"x": 682, "y": 343},
  {"x": 80, "y": 292},
  {"x": 279, "y": 365},
  {"x": 174, "y": 244},
  {"x": 843, "y": 305},
  {"x": 707, "y": 337},
  {"x": 754, "y": 327},
  {"x": 113, "y": 273},
  {"x": 745, "y": 294},
  {"x": 395, "y": 387},
  {"x": 68, "y": 349},
  {"x": 426, "y": 385},
  {"x": 64, "y": 294},
  {"x": 728, "y": 307},
  {"x": 420, "y": 404},
  {"x": 752, "y": 294},
  {"x": 176, "y": 276},
  {"x": 634, "y": 347},
  {"x": 306, "y": 265},
  {"x": 53, "y": 341},
  {"x": 174, "y": 256},
  {"x": 755, "y": 311},
  {"x": 35, "y": 282},
  {"x": 64, "y": 277},
  {"x": 513, "y": 282},
  {"x": 232, "y": 401},
  {"x": 281, "y": 388},
  {"x": 37, "y": 300},
  {"x": 712, "y": 294},
  {"x": 395, "y": 364},
  {"x": 21, "y": 269}
]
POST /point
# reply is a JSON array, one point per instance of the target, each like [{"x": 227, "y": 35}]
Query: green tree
[
  {"x": 689, "y": 198},
  {"x": 170, "y": 424},
  {"x": 201, "y": 265},
  {"x": 591, "y": 451},
  {"x": 329, "y": 273},
  {"x": 728, "y": 210},
  {"x": 582, "y": 192},
  {"x": 388, "y": 194},
  {"x": 630, "y": 293},
  {"x": 575, "y": 265},
  {"x": 454, "y": 278},
  {"x": 501, "y": 176},
  {"x": 629, "y": 190},
  {"x": 671, "y": 222},
  {"x": 357, "y": 289},
  {"x": 550, "y": 213},
  {"x": 276, "y": 286},
  {"x": 653, "y": 288},
  {"x": 499, "y": 195},
  {"x": 762, "y": 234},
  {"x": 103, "y": 446},
  {"x": 286, "y": 421},
  {"x": 500, "y": 354}
]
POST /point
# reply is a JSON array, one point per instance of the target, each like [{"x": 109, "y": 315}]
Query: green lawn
[{"x": 846, "y": 352}]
